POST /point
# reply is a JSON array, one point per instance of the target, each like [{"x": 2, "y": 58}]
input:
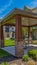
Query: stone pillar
[
  {"x": 1, "y": 37},
  {"x": 18, "y": 36}
]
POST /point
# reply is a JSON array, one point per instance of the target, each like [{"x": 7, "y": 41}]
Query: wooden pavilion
[{"x": 18, "y": 18}]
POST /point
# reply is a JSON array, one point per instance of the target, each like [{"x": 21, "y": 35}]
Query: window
[
  {"x": 6, "y": 29},
  {"x": 12, "y": 28}
]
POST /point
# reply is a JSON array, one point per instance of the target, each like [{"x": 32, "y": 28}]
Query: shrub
[
  {"x": 25, "y": 58},
  {"x": 35, "y": 57},
  {"x": 33, "y": 54},
  {"x": 30, "y": 53},
  {"x": 31, "y": 62}
]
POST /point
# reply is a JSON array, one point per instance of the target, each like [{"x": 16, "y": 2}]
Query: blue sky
[{"x": 7, "y": 5}]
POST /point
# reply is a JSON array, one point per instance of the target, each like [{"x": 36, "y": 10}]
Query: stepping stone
[
  {"x": 22, "y": 64},
  {"x": 13, "y": 64}
]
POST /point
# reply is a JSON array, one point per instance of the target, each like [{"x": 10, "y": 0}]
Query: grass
[
  {"x": 3, "y": 53},
  {"x": 4, "y": 63},
  {"x": 9, "y": 42},
  {"x": 34, "y": 42}
]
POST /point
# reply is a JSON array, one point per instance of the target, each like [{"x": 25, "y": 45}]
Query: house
[{"x": 9, "y": 32}]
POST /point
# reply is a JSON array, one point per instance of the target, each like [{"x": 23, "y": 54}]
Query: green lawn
[
  {"x": 4, "y": 63},
  {"x": 34, "y": 42},
  {"x": 3, "y": 53},
  {"x": 9, "y": 42}
]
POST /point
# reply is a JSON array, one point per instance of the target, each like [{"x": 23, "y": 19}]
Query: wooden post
[
  {"x": 28, "y": 31},
  {"x": 29, "y": 35},
  {"x": 19, "y": 44},
  {"x": 1, "y": 37}
]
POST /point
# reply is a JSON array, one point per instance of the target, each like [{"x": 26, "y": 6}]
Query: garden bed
[{"x": 19, "y": 62}]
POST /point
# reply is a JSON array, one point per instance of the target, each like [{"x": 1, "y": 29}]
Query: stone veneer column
[
  {"x": 18, "y": 36},
  {"x": 1, "y": 37}
]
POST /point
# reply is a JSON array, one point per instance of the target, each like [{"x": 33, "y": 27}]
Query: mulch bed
[{"x": 20, "y": 62}]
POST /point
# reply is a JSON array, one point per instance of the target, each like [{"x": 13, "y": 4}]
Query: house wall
[{"x": 34, "y": 11}]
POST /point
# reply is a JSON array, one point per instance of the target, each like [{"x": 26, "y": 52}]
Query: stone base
[{"x": 19, "y": 50}]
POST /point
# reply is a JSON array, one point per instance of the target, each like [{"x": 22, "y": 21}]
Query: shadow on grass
[{"x": 8, "y": 59}]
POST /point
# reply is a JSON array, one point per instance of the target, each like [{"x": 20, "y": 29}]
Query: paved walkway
[
  {"x": 32, "y": 45},
  {"x": 10, "y": 49}
]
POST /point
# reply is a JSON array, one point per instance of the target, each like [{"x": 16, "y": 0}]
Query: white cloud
[
  {"x": 0, "y": 17},
  {"x": 33, "y": 3},
  {"x": 6, "y": 6}
]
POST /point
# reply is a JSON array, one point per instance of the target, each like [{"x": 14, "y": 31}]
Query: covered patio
[{"x": 18, "y": 18}]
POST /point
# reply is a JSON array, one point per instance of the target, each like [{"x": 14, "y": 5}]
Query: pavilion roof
[{"x": 21, "y": 12}]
